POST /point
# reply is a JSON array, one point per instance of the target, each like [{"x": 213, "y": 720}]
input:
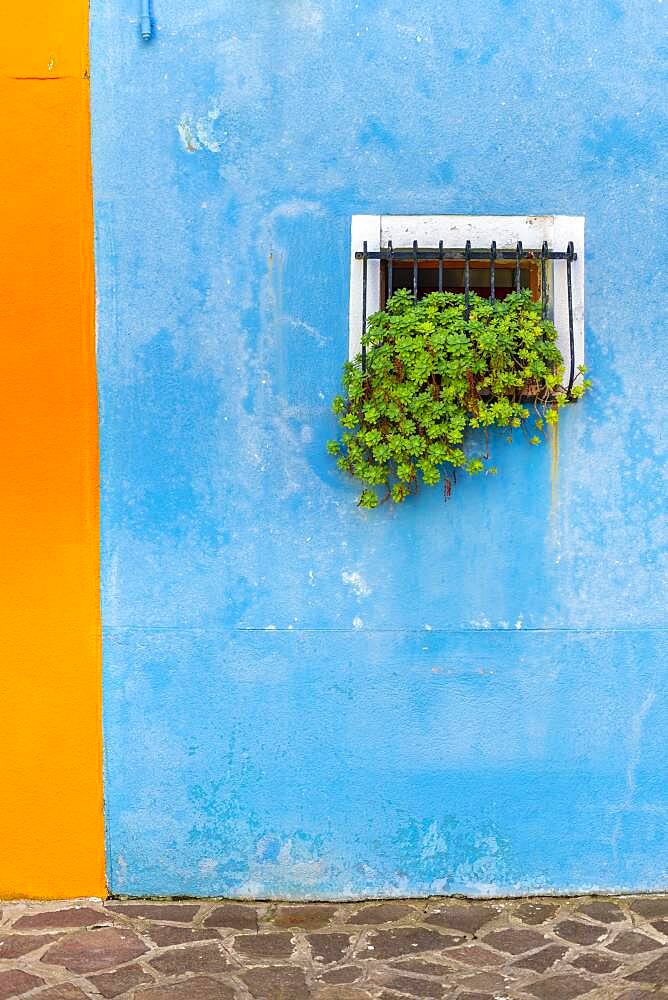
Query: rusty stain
[{"x": 553, "y": 434}]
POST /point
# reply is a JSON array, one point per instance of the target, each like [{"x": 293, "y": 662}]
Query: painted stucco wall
[
  {"x": 305, "y": 699},
  {"x": 51, "y": 817}
]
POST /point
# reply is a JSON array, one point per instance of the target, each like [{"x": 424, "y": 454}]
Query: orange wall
[{"x": 51, "y": 815}]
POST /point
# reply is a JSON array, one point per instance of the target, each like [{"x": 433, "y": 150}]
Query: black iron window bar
[{"x": 442, "y": 254}]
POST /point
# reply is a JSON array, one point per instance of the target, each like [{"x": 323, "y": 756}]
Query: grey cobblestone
[{"x": 524, "y": 949}]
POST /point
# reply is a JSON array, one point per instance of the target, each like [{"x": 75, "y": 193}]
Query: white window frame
[{"x": 455, "y": 230}]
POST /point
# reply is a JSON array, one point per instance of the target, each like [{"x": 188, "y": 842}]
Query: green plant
[{"x": 432, "y": 376}]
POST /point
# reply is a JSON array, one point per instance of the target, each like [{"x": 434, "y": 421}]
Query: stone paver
[
  {"x": 595, "y": 963},
  {"x": 580, "y": 933},
  {"x": 170, "y": 912},
  {"x": 71, "y": 916},
  {"x": 328, "y": 948},
  {"x": 94, "y": 950},
  {"x": 16, "y": 945},
  {"x": 276, "y": 983},
  {"x": 196, "y": 988},
  {"x": 517, "y": 942},
  {"x": 115, "y": 984},
  {"x": 163, "y": 935},
  {"x": 65, "y": 991},
  {"x": 310, "y": 916},
  {"x": 234, "y": 915},
  {"x": 597, "y": 948},
  {"x": 463, "y": 917},
  {"x": 560, "y": 988},
  {"x": 631, "y": 943},
  {"x": 264, "y": 945},
  {"x": 655, "y": 973},
  {"x": 535, "y": 911},
  {"x": 14, "y": 983},
  {"x": 543, "y": 959},
  {"x": 601, "y": 910},
  {"x": 203, "y": 958},
  {"x": 380, "y": 913}
]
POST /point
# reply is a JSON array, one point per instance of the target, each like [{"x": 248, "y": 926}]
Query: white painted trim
[
  {"x": 364, "y": 227},
  {"x": 455, "y": 230}
]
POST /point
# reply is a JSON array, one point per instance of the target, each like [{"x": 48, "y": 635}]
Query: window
[
  {"x": 500, "y": 253},
  {"x": 453, "y": 277}
]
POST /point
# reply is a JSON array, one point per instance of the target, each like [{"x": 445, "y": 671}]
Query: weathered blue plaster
[{"x": 301, "y": 698}]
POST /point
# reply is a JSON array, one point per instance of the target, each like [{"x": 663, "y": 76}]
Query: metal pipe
[
  {"x": 492, "y": 271},
  {"x": 389, "y": 270},
  {"x": 467, "y": 276},
  {"x": 146, "y": 21},
  {"x": 570, "y": 251},
  {"x": 415, "y": 270},
  {"x": 543, "y": 279},
  {"x": 364, "y": 284}
]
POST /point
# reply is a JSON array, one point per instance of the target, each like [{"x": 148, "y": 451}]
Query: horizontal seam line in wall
[
  {"x": 389, "y": 631},
  {"x": 46, "y": 79}
]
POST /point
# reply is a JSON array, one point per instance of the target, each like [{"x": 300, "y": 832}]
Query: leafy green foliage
[{"x": 431, "y": 377}]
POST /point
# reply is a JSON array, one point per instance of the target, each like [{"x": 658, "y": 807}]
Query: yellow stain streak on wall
[
  {"x": 51, "y": 813},
  {"x": 553, "y": 434}
]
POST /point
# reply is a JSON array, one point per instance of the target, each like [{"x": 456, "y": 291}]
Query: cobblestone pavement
[{"x": 531, "y": 949}]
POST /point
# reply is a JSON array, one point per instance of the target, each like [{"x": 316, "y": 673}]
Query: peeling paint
[
  {"x": 185, "y": 130},
  {"x": 356, "y": 581}
]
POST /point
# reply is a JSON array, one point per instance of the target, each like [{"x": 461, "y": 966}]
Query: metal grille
[{"x": 442, "y": 254}]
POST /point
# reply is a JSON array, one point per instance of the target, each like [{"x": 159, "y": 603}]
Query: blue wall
[{"x": 302, "y": 698}]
